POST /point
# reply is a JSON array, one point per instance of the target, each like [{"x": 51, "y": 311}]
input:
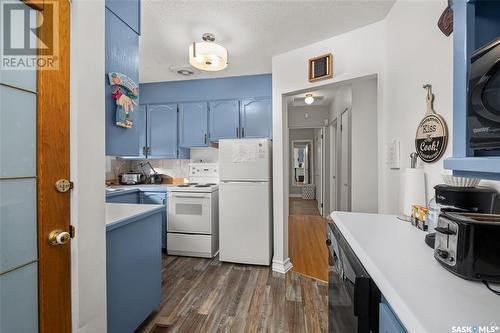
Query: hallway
[{"x": 306, "y": 241}]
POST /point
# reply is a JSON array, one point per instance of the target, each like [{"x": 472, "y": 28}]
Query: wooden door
[{"x": 34, "y": 155}]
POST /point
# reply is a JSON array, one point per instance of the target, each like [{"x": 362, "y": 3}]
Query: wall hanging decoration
[
  {"x": 432, "y": 133},
  {"x": 321, "y": 68},
  {"x": 445, "y": 22},
  {"x": 125, "y": 95}
]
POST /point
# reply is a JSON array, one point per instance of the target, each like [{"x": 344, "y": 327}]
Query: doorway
[
  {"x": 345, "y": 161},
  {"x": 333, "y": 165},
  {"x": 34, "y": 121}
]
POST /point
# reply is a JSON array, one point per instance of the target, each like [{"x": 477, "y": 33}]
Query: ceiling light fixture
[
  {"x": 208, "y": 55},
  {"x": 309, "y": 99}
]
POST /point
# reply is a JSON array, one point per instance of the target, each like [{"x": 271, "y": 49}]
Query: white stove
[
  {"x": 193, "y": 213},
  {"x": 203, "y": 177}
]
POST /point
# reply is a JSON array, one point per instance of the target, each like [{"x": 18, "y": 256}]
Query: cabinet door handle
[
  {"x": 144, "y": 151},
  {"x": 237, "y": 132},
  {"x": 205, "y": 138},
  {"x": 243, "y": 132}
]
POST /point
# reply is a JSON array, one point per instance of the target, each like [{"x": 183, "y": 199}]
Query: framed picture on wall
[{"x": 321, "y": 68}]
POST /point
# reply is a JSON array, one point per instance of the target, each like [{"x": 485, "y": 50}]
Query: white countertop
[
  {"x": 117, "y": 212},
  {"x": 423, "y": 294},
  {"x": 144, "y": 187}
]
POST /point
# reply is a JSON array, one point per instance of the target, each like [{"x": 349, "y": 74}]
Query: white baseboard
[
  {"x": 292, "y": 195},
  {"x": 282, "y": 266}
]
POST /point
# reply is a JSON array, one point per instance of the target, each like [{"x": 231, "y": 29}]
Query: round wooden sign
[{"x": 432, "y": 133}]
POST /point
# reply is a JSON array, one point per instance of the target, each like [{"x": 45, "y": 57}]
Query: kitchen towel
[{"x": 413, "y": 189}]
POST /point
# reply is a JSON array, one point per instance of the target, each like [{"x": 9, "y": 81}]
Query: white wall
[
  {"x": 300, "y": 134},
  {"x": 88, "y": 249},
  {"x": 307, "y": 116},
  {"x": 364, "y": 146},
  {"x": 405, "y": 50},
  {"x": 358, "y": 53}
]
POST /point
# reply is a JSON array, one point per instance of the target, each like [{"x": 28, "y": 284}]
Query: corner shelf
[{"x": 475, "y": 23}]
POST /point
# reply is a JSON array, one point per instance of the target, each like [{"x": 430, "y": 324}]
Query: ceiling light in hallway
[{"x": 309, "y": 99}]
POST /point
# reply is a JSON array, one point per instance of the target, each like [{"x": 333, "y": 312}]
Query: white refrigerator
[{"x": 245, "y": 201}]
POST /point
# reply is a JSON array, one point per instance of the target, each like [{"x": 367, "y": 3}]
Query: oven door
[{"x": 189, "y": 212}]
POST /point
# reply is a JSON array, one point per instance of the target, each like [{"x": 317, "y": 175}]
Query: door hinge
[
  {"x": 72, "y": 231},
  {"x": 322, "y": 136},
  {"x": 321, "y": 205}
]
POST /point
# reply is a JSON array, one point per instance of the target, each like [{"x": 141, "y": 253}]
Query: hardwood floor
[
  {"x": 299, "y": 206},
  {"x": 205, "y": 295},
  {"x": 306, "y": 239}
]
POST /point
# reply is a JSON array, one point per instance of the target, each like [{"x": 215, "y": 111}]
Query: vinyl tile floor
[{"x": 206, "y": 295}]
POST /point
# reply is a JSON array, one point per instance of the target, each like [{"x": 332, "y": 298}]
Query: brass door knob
[{"x": 59, "y": 237}]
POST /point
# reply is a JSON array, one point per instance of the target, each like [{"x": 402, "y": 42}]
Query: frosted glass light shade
[
  {"x": 309, "y": 99},
  {"x": 208, "y": 56}
]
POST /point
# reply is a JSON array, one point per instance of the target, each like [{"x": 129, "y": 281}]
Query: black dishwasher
[{"x": 353, "y": 297}]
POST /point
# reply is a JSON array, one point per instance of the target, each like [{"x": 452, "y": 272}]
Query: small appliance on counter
[
  {"x": 467, "y": 244},
  {"x": 459, "y": 199},
  {"x": 483, "y": 120},
  {"x": 131, "y": 178}
]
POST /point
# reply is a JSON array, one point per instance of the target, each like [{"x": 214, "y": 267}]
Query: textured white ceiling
[{"x": 252, "y": 31}]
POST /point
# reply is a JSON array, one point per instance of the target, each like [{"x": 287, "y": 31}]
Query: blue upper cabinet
[
  {"x": 193, "y": 124},
  {"x": 224, "y": 119},
  {"x": 162, "y": 131},
  {"x": 475, "y": 23},
  {"x": 256, "y": 118},
  {"x": 122, "y": 55},
  {"x": 129, "y": 11},
  {"x": 140, "y": 124}
]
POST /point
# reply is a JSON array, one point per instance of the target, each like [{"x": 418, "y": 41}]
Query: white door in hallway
[
  {"x": 318, "y": 168},
  {"x": 333, "y": 166},
  {"x": 345, "y": 181}
]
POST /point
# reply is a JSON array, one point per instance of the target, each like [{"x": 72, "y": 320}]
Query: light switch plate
[{"x": 393, "y": 154}]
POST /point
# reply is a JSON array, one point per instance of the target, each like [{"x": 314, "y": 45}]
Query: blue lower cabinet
[
  {"x": 256, "y": 118},
  {"x": 116, "y": 197},
  {"x": 388, "y": 322},
  {"x": 224, "y": 120},
  {"x": 133, "y": 271},
  {"x": 162, "y": 131},
  {"x": 158, "y": 198},
  {"x": 193, "y": 124}
]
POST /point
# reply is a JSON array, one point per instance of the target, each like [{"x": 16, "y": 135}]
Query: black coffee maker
[{"x": 465, "y": 200}]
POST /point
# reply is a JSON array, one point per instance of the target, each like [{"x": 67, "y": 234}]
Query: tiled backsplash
[{"x": 172, "y": 168}]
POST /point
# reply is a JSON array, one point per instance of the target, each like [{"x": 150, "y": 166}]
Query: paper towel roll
[{"x": 413, "y": 189}]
